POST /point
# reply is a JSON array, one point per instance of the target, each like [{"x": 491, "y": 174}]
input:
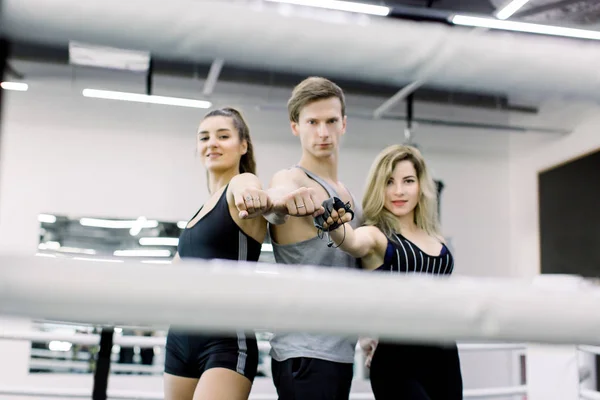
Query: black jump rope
[{"x": 329, "y": 205}]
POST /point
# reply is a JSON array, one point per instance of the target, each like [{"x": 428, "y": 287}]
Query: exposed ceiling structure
[
  {"x": 577, "y": 13},
  {"x": 230, "y": 41}
]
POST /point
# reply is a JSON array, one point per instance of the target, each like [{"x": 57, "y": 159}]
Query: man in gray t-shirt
[{"x": 310, "y": 366}]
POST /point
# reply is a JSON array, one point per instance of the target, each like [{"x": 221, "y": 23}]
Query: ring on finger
[{"x": 300, "y": 206}]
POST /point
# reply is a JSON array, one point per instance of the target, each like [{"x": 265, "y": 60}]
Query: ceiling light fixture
[
  {"x": 514, "y": 26},
  {"x": 143, "y": 98},
  {"x": 159, "y": 241},
  {"x": 340, "y": 6},
  {"x": 142, "y": 253},
  {"x": 47, "y": 218},
  {"x": 118, "y": 224},
  {"x": 16, "y": 86}
]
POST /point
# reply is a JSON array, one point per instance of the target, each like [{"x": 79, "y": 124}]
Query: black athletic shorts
[
  {"x": 189, "y": 355},
  {"x": 311, "y": 379}
]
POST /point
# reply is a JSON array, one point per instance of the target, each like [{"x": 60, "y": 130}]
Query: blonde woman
[{"x": 401, "y": 235}]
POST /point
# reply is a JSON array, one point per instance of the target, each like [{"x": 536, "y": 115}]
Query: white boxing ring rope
[
  {"x": 146, "y": 342},
  {"x": 127, "y": 395},
  {"x": 589, "y": 394},
  {"x": 219, "y": 295}
]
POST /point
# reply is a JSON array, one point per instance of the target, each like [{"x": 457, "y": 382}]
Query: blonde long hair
[{"x": 425, "y": 213}]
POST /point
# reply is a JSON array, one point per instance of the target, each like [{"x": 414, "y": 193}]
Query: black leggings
[{"x": 412, "y": 372}]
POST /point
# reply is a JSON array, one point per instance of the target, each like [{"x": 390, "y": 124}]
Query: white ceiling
[{"x": 284, "y": 38}]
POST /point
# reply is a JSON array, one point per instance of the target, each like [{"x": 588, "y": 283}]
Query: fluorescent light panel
[
  {"x": 510, "y": 9},
  {"x": 50, "y": 245},
  {"x": 142, "y": 98},
  {"x": 340, "y": 6},
  {"x": 491, "y": 23},
  {"x": 76, "y": 250},
  {"x": 117, "y": 224},
  {"x": 142, "y": 253},
  {"x": 47, "y": 218},
  {"x": 182, "y": 224},
  {"x": 17, "y": 86},
  {"x": 106, "y": 260},
  {"x": 156, "y": 262},
  {"x": 159, "y": 241},
  {"x": 56, "y": 345},
  {"x": 45, "y": 255}
]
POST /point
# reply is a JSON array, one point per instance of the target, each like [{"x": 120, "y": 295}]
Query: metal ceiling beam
[
  {"x": 397, "y": 98},
  {"x": 420, "y": 81},
  {"x": 443, "y": 54},
  {"x": 213, "y": 76}
]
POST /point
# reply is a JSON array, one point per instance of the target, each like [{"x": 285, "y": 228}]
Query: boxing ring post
[
  {"x": 18, "y": 369},
  {"x": 554, "y": 371},
  {"x": 103, "y": 364},
  {"x": 3, "y": 58}
]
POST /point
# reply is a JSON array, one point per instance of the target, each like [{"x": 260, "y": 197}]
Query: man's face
[{"x": 320, "y": 126}]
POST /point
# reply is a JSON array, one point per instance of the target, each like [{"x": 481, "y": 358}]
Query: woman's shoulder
[
  {"x": 376, "y": 233},
  {"x": 371, "y": 228}
]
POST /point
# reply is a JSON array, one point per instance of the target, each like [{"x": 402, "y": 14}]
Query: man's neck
[{"x": 325, "y": 168}]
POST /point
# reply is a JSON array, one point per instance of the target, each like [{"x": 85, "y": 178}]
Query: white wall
[{"x": 67, "y": 155}]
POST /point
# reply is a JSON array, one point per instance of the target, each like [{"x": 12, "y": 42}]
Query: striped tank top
[{"x": 403, "y": 256}]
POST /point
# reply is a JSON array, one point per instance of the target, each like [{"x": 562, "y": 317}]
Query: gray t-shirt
[{"x": 315, "y": 252}]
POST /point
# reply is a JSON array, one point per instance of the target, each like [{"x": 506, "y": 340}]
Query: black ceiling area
[
  {"x": 243, "y": 75},
  {"x": 474, "y": 6},
  {"x": 579, "y": 12}
]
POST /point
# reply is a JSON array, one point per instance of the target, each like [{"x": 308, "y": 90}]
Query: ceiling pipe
[{"x": 371, "y": 49}]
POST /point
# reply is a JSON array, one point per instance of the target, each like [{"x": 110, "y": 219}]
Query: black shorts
[
  {"x": 416, "y": 372},
  {"x": 312, "y": 379},
  {"x": 189, "y": 355}
]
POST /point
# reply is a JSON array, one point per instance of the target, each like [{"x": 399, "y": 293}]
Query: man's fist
[{"x": 299, "y": 203}]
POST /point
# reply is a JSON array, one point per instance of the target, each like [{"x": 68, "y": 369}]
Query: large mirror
[{"x": 110, "y": 240}]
